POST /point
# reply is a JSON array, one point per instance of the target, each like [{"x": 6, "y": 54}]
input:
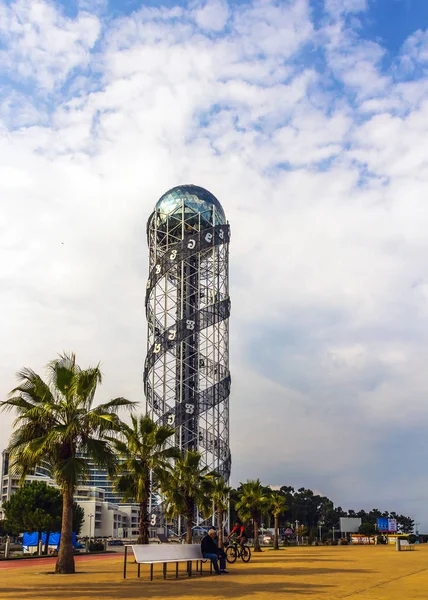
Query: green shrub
[{"x": 96, "y": 547}]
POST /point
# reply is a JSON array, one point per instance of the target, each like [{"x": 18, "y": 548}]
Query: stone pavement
[{"x": 357, "y": 573}]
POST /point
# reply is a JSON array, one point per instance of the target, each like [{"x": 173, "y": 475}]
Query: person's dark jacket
[{"x": 208, "y": 545}]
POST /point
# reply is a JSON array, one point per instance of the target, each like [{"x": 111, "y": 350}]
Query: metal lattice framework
[{"x": 186, "y": 374}]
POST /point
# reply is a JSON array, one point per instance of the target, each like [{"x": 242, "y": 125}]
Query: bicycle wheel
[
  {"x": 231, "y": 554},
  {"x": 245, "y": 554}
]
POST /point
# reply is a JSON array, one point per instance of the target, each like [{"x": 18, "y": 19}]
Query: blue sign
[{"x": 383, "y": 524}]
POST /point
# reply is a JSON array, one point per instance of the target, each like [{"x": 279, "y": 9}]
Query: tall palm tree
[
  {"x": 187, "y": 488},
  {"x": 220, "y": 498},
  {"x": 146, "y": 458},
  {"x": 253, "y": 501},
  {"x": 58, "y": 425},
  {"x": 278, "y": 506}
]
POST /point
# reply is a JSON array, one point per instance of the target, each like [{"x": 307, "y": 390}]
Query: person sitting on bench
[{"x": 211, "y": 550}]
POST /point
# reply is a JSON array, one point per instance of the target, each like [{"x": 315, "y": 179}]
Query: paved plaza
[{"x": 363, "y": 573}]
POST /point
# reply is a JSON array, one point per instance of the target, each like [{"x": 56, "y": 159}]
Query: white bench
[
  {"x": 404, "y": 545},
  {"x": 164, "y": 554}
]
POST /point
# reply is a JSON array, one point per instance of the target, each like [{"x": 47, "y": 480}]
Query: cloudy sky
[{"x": 308, "y": 120}]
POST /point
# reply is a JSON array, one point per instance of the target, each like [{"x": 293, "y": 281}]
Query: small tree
[
  {"x": 146, "y": 457},
  {"x": 367, "y": 529},
  {"x": 278, "y": 506},
  {"x": 253, "y": 501},
  {"x": 188, "y": 487},
  {"x": 220, "y": 497},
  {"x": 34, "y": 507},
  {"x": 4, "y": 528}
]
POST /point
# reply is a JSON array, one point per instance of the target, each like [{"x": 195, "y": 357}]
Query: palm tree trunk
[
  {"x": 256, "y": 536},
  {"x": 189, "y": 524},
  {"x": 65, "y": 562},
  {"x": 275, "y": 535},
  {"x": 144, "y": 523},
  {"x": 47, "y": 542},
  {"x": 220, "y": 528}
]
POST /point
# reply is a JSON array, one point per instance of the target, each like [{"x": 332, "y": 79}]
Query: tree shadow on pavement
[
  {"x": 300, "y": 571},
  {"x": 154, "y": 589}
]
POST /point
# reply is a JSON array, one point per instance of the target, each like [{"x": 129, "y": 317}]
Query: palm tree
[
  {"x": 278, "y": 505},
  {"x": 187, "y": 488},
  {"x": 145, "y": 456},
  {"x": 57, "y": 424},
  {"x": 220, "y": 497},
  {"x": 253, "y": 501}
]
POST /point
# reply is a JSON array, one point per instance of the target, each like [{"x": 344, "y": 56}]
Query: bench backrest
[
  {"x": 168, "y": 552},
  {"x": 404, "y": 543}
]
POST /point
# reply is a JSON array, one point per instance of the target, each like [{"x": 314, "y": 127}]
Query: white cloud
[
  {"x": 319, "y": 158},
  {"x": 42, "y": 45},
  {"x": 415, "y": 49},
  {"x": 212, "y": 14},
  {"x": 338, "y": 7}
]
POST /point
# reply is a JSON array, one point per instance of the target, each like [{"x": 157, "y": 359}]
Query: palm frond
[
  {"x": 113, "y": 405},
  {"x": 101, "y": 452},
  {"x": 63, "y": 375},
  {"x": 69, "y": 471},
  {"x": 86, "y": 386}
]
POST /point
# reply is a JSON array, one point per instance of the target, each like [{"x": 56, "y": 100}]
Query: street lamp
[
  {"x": 416, "y": 528},
  {"x": 320, "y": 524},
  {"x": 90, "y": 525}
]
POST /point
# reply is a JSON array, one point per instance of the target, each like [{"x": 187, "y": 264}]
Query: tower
[{"x": 186, "y": 373}]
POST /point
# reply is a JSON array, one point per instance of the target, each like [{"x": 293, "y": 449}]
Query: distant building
[
  {"x": 10, "y": 483},
  {"x": 104, "y": 515},
  {"x": 98, "y": 477},
  {"x": 106, "y": 519}
]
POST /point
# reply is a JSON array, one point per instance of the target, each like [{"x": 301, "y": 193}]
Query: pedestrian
[{"x": 211, "y": 551}]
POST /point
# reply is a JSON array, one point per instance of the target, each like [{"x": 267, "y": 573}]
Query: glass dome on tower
[{"x": 194, "y": 205}]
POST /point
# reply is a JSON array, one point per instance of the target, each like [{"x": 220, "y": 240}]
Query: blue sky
[
  {"x": 308, "y": 120},
  {"x": 388, "y": 21}
]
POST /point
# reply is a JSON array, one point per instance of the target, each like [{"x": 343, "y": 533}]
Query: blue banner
[
  {"x": 30, "y": 539},
  {"x": 383, "y": 524}
]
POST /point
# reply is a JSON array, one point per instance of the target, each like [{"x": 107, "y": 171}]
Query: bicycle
[{"x": 235, "y": 550}]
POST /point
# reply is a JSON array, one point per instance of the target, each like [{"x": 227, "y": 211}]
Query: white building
[{"x": 102, "y": 518}]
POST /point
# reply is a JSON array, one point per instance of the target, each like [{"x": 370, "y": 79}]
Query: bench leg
[
  {"x": 151, "y": 572},
  {"x": 176, "y": 570},
  {"x": 201, "y": 566},
  {"x": 211, "y": 567},
  {"x": 124, "y": 562},
  {"x": 139, "y": 566},
  {"x": 164, "y": 570}
]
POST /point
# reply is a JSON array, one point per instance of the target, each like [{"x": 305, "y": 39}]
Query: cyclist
[{"x": 239, "y": 531}]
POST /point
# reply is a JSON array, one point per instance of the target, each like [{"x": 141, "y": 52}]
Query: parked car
[
  {"x": 115, "y": 543},
  {"x": 266, "y": 539}
]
